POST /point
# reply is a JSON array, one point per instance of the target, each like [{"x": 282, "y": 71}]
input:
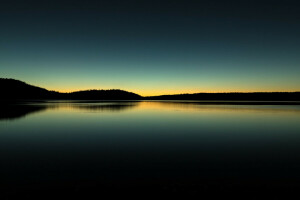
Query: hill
[
  {"x": 113, "y": 94},
  {"x": 11, "y": 89},
  {"x": 15, "y": 89}
]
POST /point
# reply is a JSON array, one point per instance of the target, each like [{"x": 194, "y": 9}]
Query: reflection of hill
[
  {"x": 114, "y": 106},
  {"x": 10, "y": 111},
  {"x": 274, "y": 107},
  {"x": 195, "y": 102}
]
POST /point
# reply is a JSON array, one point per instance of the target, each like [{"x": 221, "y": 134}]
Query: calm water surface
[{"x": 64, "y": 141}]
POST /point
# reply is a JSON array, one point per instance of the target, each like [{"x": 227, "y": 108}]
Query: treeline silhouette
[
  {"x": 11, "y": 89},
  {"x": 253, "y": 96}
]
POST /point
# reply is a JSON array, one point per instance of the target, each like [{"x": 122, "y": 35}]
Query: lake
[{"x": 163, "y": 145}]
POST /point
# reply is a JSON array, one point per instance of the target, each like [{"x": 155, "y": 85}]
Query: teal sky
[{"x": 152, "y": 48}]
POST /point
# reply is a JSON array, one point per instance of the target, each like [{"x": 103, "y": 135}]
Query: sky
[{"x": 152, "y": 47}]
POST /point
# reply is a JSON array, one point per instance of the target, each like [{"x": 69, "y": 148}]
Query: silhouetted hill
[
  {"x": 254, "y": 96},
  {"x": 11, "y": 89},
  {"x": 103, "y": 95},
  {"x": 15, "y": 89}
]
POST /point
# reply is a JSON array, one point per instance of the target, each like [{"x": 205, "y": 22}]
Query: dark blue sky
[{"x": 152, "y": 47}]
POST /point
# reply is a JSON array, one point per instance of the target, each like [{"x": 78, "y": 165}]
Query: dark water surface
[{"x": 165, "y": 146}]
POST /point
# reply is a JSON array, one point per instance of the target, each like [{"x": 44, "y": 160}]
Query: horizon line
[
  {"x": 200, "y": 92},
  {"x": 166, "y": 94}
]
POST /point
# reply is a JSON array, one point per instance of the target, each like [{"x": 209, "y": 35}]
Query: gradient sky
[{"x": 152, "y": 47}]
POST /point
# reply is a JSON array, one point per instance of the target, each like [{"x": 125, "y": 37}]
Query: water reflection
[
  {"x": 19, "y": 110},
  {"x": 15, "y": 111},
  {"x": 108, "y": 106},
  {"x": 229, "y": 106},
  {"x": 160, "y": 143}
]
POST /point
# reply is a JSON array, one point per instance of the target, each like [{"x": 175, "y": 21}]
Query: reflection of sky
[
  {"x": 132, "y": 108},
  {"x": 165, "y": 129},
  {"x": 151, "y": 138},
  {"x": 153, "y": 52}
]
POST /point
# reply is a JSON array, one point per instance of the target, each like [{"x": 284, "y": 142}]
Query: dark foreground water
[{"x": 188, "y": 147}]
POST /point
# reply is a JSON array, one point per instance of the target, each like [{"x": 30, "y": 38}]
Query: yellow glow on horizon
[{"x": 165, "y": 88}]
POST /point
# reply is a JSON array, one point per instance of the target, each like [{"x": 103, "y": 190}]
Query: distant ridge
[
  {"x": 11, "y": 89},
  {"x": 232, "y": 96}
]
